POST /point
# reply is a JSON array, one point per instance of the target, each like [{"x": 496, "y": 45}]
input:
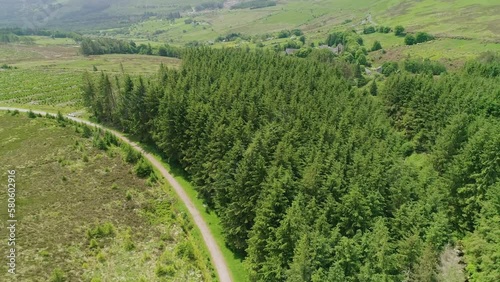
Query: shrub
[
  {"x": 31, "y": 114},
  {"x": 100, "y": 231},
  {"x": 423, "y": 37},
  {"x": 143, "y": 168},
  {"x": 164, "y": 270},
  {"x": 384, "y": 29},
  {"x": 369, "y": 30},
  {"x": 185, "y": 250},
  {"x": 57, "y": 275},
  {"x": 86, "y": 132},
  {"x": 284, "y": 34},
  {"x": 389, "y": 67},
  {"x": 60, "y": 117},
  {"x": 100, "y": 257},
  {"x": 424, "y": 66},
  {"x": 399, "y": 31},
  {"x": 131, "y": 155},
  {"x": 410, "y": 39},
  {"x": 93, "y": 244},
  {"x": 376, "y": 46}
]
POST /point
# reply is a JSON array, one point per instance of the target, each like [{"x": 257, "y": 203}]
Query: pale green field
[
  {"x": 44, "y": 40},
  {"x": 134, "y": 64},
  {"x": 48, "y": 89}
]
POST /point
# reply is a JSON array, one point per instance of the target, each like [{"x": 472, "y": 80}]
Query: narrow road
[{"x": 215, "y": 252}]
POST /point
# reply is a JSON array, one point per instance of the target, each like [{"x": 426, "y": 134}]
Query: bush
[
  {"x": 409, "y": 39},
  {"x": 131, "y": 155},
  {"x": 389, "y": 67},
  {"x": 31, "y": 114},
  {"x": 101, "y": 231},
  {"x": 57, "y": 275},
  {"x": 185, "y": 250},
  {"x": 86, "y": 133},
  {"x": 143, "y": 168},
  {"x": 165, "y": 270},
  {"x": 376, "y": 46},
  {"x": 384, "y": 29},
  {"x": 399, "y": 31},
  {"x": 369, "y": 30},
  {"x": 424, "y": 66},
  {"x": 128, "y": 244},
  {"x": 99, "y": 143},
  {"x": 423, "y": 37},
  {"x": 284, "y": 34},
  {"x": 93, "y": 244}
]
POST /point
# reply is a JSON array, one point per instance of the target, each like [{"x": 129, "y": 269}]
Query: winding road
[{"x": 215, "y": 252}]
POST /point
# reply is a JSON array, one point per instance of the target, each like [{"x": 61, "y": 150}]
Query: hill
[{"x": 454, "y": 18}]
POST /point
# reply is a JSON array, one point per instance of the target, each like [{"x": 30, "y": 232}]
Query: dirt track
[{"x": 215, "y": 252}]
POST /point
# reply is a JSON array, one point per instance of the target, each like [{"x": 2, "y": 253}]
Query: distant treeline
[
  {"x": 254, "y": 4},
  {"x": 21, "y": 35},
  {"x": 209, "y": 6},
  {"x": 12, "y": 38},
  {"x": 41, "y": 32},
  {"x": 100, "y": 46}
]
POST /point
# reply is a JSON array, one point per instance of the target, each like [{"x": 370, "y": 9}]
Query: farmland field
[
  {"x": 56, "y": 90},
  {"x": 84, "y": 213}
]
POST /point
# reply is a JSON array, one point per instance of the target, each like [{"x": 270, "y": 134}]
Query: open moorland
[{"x": 85, "y": 212}]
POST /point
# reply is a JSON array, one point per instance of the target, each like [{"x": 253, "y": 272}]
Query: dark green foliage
[
  {"x": 410, "y": 39},
  {"x": 284, "y": 34},
  {"x": 86, "y": 131},
  {"x": 389, "y": 67},
  {"x": 31, "y": 114},
  {"x": 231, "y": 37},
  {"x": 101, "y": 45},
  {"x": 421, "y": 37},
  {"x": 369, "y": 29},
  {"x": 376, "y": 46},
  {"x": 254, "y": 4},
  {"x": 399, "y": 31},
  {"x": 209, "y": 6},
  {"x": 384, "y": 29},
  {"x": 313, "y": 179},
  {"x": 373, "y": 88},
  {"x": 423, "y": 66},
  {"x": 143, "y": 169},
  {"x": 130, "y": 154}
]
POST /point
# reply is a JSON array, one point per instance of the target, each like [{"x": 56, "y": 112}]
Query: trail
[{"x": 215, "y": 252}]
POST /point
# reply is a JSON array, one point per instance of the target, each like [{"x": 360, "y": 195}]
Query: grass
[
  {"x": 74, "y": 217},
  {"x": 47, "y": 41},
  {"x": 67, "y": 58},
  {"x": 48, "y": 80},
  {"x": 48, "y": 89},
  {"x": 452, "y": 52}
]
